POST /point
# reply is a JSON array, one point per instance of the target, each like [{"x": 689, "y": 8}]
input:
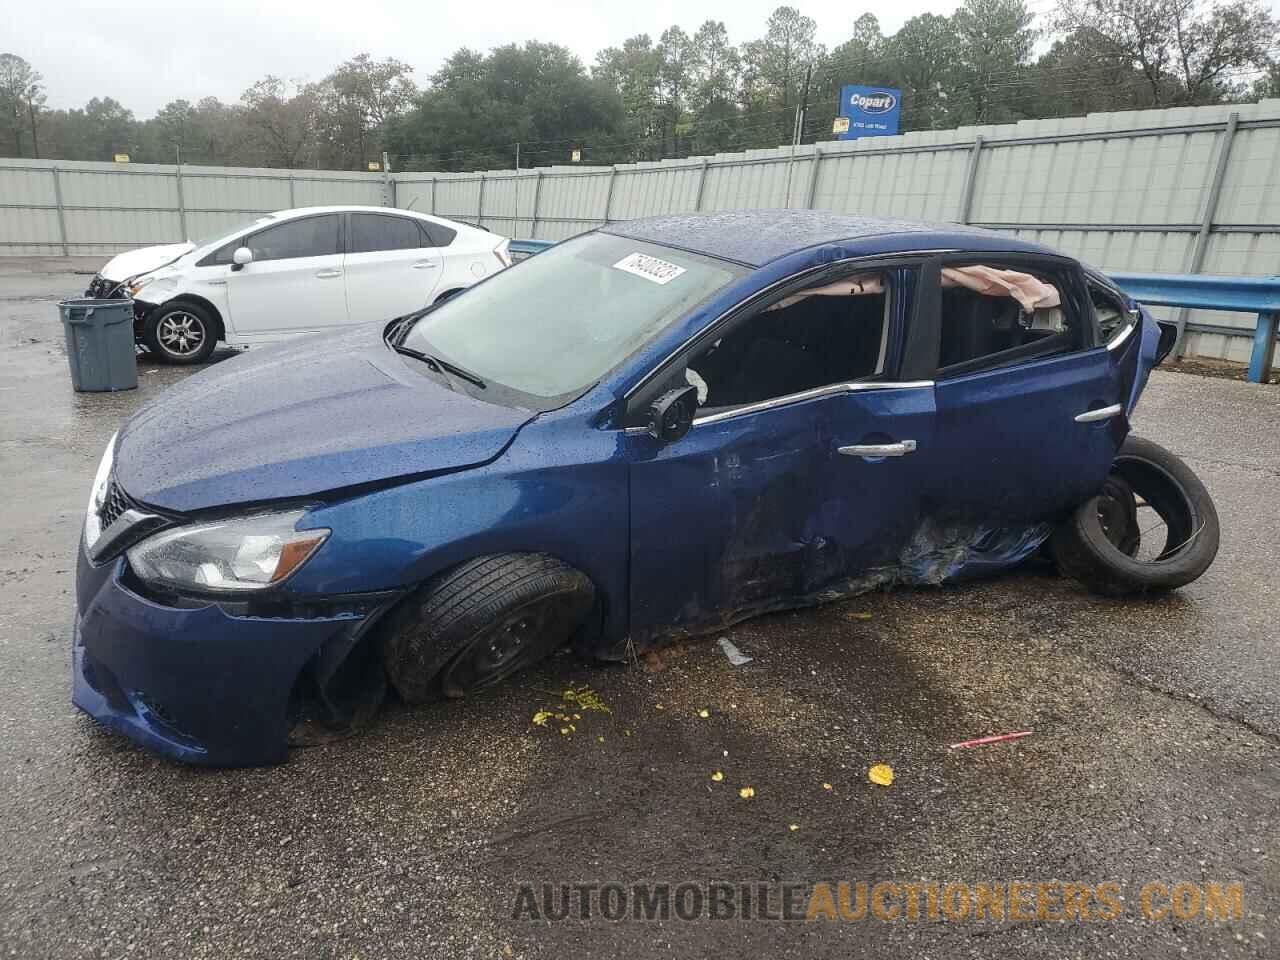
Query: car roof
[
  {"x": 756, "y": 237},
  {"x": 350, "y": 208}
]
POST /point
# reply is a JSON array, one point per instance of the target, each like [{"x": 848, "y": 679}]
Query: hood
[
  {"x": 314, "y": 415},
  {"x": 143, "y": 260}
]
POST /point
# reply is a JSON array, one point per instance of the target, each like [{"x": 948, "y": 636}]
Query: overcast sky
[{"x": 148, "y": 52}]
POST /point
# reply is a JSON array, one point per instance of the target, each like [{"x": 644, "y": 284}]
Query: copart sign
[{"x": 869, "y": 111}]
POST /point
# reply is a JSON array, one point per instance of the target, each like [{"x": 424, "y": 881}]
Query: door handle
[
  {"x": 900, "y": 449},
  {"x": 328, "y": 274},
  {"x": 1103, "y": 413},
  {"x": 424, "y": 265}
]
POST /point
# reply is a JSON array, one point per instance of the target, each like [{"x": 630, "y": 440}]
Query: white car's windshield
[
  {"x": 223, "y": 232},
  {"x": 556, "y": 323}
]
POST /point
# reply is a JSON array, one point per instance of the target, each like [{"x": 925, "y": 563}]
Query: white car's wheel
[{"x": 181, "y": 333}]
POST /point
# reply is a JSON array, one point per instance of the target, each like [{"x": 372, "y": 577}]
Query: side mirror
[
  {"x": 242, "y": 256},
  {"x": 671, "y": 415}
]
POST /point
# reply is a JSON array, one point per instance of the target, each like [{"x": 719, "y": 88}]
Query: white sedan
[{"x": 295, "y": 272}]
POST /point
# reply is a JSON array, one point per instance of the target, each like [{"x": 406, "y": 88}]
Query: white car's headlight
[
  {"x": 133, "y": 286},
  {"x": 98, "y": 495},
  {"x": 246, "y": 553}
]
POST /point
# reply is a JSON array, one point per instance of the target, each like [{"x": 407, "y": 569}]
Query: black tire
[
  {"x": 1099, "y": 543},
  {"x": 181, "y": 332},
  {"x": 475, "y": 625}
]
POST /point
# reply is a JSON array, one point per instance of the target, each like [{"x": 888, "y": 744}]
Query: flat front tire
[
  {"x": 477, "y": 624},
  {"x": 180, "y": 333}
]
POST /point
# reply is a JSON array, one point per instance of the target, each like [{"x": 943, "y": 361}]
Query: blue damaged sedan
[{"x": 652, "y": 430}]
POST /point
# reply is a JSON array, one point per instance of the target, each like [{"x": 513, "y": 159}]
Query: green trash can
[{"x": 100, "y": 346}]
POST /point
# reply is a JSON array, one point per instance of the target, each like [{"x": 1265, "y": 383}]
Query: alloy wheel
[{"x": 181, "y": 334}]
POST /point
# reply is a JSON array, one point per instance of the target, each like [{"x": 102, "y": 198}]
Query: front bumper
[
  {"x": 141, "y": 310},
  {"x": 100, "y": 288},
  {"x": 200, "y": 685}
]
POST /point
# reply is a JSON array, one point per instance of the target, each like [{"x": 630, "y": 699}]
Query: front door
[
  {"x": 800, "y": 477},
  {"x": 765, "y": 510},
  {"x": 391, "y": 268},
  {"x": 294, "y": 283}
]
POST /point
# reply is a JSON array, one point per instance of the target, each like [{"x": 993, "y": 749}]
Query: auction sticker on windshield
[{"x": 651, "y": 268}]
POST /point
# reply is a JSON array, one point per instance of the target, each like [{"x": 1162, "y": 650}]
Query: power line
[{"x": 742, "y": 122}]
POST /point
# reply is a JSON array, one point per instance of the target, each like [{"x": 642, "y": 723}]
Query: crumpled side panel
[
  {"x": 937, "y": 553},
  {"x": 940, "y": 553}
]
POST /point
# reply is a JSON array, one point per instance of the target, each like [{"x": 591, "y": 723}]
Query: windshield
[
  {"x": 223, "y": 232},
  {"x": 558, "y": 322}
]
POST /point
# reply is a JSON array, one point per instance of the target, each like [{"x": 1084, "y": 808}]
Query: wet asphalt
[{"x": 1155, "y": 754}]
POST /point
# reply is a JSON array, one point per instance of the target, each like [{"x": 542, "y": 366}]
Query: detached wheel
[
  {"x": 1153, "y": 526},
  {"x": 180, "y": 333},
  {"x": 476, "y": 625}
]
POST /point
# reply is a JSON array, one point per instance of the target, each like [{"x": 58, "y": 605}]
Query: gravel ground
[{"x": 1155, "y": 754}]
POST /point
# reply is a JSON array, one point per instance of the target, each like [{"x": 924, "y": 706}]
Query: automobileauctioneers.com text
[{"x": 884, "y": 901}]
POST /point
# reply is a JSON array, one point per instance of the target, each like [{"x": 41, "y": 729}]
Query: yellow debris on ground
[{"x": 881, "y": 774}]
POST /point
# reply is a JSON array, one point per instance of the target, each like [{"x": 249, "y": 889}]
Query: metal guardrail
[
  {"x": 1237, "y": 294},
  {"x": 524, "y": 249}
]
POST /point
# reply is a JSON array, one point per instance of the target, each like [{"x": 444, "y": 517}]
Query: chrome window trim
[
  {"x": 831, "y": 390},
  {"x": 760, "y": 294},
  {"x": 1115, "y": 342}
]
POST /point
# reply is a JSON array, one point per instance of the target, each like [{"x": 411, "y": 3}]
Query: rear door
[
  {"x": 392, "y": 267},
  {"x": 1029, "y": 402},
  {"x": 294, "y": 283}
]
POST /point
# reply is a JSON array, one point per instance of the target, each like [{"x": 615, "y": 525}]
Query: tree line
[{"x": 685, "y": 93}]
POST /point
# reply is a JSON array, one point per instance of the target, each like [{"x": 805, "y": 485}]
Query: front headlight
[
  {"x": 248, "y": 553},
  {"x": 98, "y": 495},
  {"x": 156, "y": 283}
]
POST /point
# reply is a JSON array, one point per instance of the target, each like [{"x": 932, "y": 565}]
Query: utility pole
[
  {"x": 804, "y": 106},
  {"x": 517, "y": 154},
  {"x": 35, "y": 141},
  {"x": 388, "y": 185},
  {"x": 798, "y": 130}
]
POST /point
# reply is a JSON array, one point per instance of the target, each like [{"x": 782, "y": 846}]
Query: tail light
[{"x": 503, "y": 253}]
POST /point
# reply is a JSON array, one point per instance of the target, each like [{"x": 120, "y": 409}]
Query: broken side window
[
  {"x": 1112, "y": 315},
  {"x": 992, "y": 315},
  {"x": 833, "y": 333}
]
